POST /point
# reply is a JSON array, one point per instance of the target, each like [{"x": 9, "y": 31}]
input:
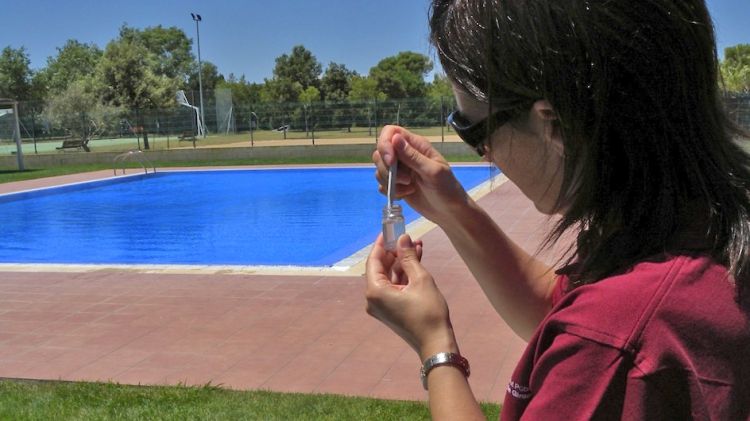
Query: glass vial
[{"x": 393, "y": 226}]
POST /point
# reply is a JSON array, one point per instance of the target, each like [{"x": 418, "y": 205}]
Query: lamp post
[{"x": 197, "y": 18}]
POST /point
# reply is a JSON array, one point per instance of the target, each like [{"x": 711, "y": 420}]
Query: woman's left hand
[{"x": 403, "y": 295}]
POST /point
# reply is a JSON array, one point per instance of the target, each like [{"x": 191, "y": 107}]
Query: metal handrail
[{"x": 121, "y": 158}]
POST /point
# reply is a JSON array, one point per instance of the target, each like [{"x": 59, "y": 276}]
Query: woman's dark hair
[{"x": 649, "y": 152}]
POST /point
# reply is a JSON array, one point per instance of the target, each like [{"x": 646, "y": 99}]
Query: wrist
[
  {"x": 465, "y": 220},
  {"x": 440, "y": 359},
  {"x": 452, "y": 212},
  {"x": 445, "y": 342}
]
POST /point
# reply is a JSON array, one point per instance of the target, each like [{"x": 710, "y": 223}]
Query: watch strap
[{"x": 443, "y": 358}]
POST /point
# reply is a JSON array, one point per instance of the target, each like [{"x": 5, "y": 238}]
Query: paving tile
[
  {"x": 98, "y": 371},
  {"x": 353, "y": 378},
  {"x": 285, "y": 333},
  {"x": 143, "y": 376}
]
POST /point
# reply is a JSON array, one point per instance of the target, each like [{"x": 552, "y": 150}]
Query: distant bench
[
  {"x": 75, "y": 144},
  {"x": 186, "y": 135}
]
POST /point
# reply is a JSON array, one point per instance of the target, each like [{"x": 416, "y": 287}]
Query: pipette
[{"x": 392, "y": 171}]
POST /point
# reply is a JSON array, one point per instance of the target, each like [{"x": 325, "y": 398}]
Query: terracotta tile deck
[{"x": 282, "y": 333}]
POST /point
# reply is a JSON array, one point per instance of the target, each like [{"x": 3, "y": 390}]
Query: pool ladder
[{"x": 123, "y": 157}]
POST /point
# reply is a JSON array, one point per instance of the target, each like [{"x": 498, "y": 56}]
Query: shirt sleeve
[{"x": 577, "y": 379}]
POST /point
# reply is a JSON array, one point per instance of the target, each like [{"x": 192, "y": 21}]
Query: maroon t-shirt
[{"x": 665, "y": 341}]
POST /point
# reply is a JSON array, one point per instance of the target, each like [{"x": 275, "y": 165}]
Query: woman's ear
[{"x": 549, "y": 128}]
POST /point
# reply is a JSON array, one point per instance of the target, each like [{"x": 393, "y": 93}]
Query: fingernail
[{"x": 387, "y": 158}]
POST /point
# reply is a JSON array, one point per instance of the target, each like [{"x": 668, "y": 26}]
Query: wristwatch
[{"x": 443, "y": 358}]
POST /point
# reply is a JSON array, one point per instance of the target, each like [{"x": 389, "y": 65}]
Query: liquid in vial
[{"x": 393, "y": 226}]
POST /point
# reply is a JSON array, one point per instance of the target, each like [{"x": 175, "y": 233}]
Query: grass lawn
[
  {"x": 32, "y": 173},
  {"x": 106, "y": 401}
]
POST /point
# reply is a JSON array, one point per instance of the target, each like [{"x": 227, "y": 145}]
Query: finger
[
  {"x": 397, "y": 274},
  {"x": 377, "y": 268},
  {"x": 424, "y": 147},
  {"x": 380, "y": 166},
  {"x": 378, "y": 251},
  {"x": 414, "y": 158},
  {"x": 404, "y": 175},
  {"x": 381, "y": 182},
  {"x": 385, "y": 145},
  {"x": 407, "y": 257}
]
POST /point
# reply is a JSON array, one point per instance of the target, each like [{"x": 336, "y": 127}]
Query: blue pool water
[{"x": 301, "y": 217}]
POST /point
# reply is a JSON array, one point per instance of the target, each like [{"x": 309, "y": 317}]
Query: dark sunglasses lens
[
  {"x": 458, "y": 121},
  {"x": 467, "y": 131}
]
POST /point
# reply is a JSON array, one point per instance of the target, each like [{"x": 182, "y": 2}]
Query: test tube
[{"x": 393, "y": 226}]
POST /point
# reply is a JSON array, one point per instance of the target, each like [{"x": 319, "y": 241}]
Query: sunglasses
[{"x": 475, "y": 134}]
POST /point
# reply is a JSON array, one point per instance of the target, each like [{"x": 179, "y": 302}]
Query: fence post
[
  {"x": 304, "y": 115},
  {"x": 375, "y": 108},
  {"x": 19, "y": 145},
  {"x": 442, "y": 124},
  {"x": 312, "y": 122},
  {"x": 169, "y": 129},
  {"x": 253, "y": 125},
  {"x": 33, "y": 128},
  {"x": 369, "y": 121}
]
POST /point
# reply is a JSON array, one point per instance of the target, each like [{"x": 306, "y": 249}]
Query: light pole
[{"x": 197, "y": 18}]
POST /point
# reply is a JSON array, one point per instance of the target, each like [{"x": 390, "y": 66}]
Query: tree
[
  {"x": 311, "y": 94},
  {"x": 300, "y": 66},
  {"x": 210, "y": 77},
  {"x": 440, "y": 88},
  {"x": 74, "y": 61},
  {"x": 170, "y": 47},
  {"x": 78, "y": 110},
  {"x": 15, "y": 74},
  {"x": 292, "y": 75},
  {"x": 126, "y": 78},
  {"x": 243, "y": 92},
  {"x": 402, "y": 75},
  {"x": 365, "y": 89},
  {"x": 735, "y": 69},
  {"x": 281, "y": 90},
  {"x": 308, "y": 96},
  {"x": 336, "y": 82}
]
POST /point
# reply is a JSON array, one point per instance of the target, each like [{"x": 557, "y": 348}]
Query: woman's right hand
[{"x": 424, "y": 180}]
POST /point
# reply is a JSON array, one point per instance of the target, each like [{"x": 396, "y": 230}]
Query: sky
[{"x": 245, "y": 37}]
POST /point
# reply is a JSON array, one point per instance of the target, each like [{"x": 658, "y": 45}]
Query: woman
[{"x": 609, "y": 114}]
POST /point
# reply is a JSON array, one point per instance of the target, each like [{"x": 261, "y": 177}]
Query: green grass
[
  {"x": 7, "y": 176},
  {"x": 107, "y": 401}
]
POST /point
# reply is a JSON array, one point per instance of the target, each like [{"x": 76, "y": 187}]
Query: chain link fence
[
  {"x": 101, "y": 128},
  {"x": 45, "y": 129},
  {"x": 738, "y": 109}
]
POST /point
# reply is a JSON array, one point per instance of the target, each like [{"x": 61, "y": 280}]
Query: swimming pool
[{"x": 290, "y": 217}]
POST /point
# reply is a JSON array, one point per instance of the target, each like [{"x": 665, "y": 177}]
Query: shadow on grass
[{"x": 26, "y": 171}]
